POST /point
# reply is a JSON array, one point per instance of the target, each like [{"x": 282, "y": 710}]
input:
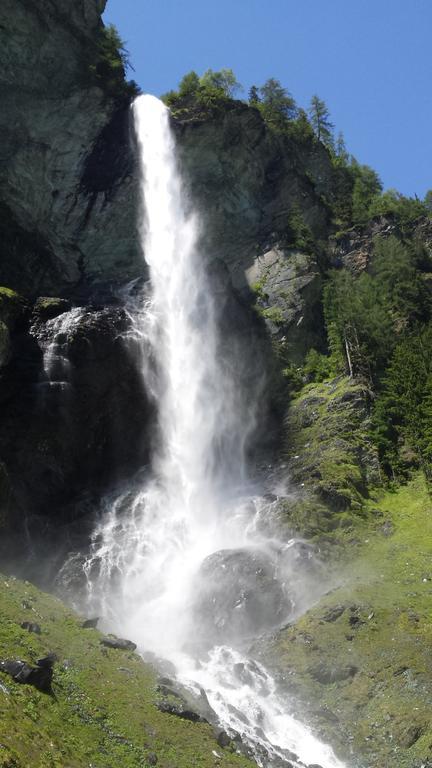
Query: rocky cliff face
[
  {"x": 68, "y": 189},
  {"x": 57, "y": 231},
  {"x": 259, "y": 193},
  {"x": 68, "y": 212}
]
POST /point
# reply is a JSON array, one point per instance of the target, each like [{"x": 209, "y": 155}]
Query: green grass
[
  {"x": 382, "y": 714},
  {"x": 102, "y": 712}
]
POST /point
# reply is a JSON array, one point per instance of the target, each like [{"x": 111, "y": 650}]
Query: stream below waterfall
[{"x": 182, "y": 562}]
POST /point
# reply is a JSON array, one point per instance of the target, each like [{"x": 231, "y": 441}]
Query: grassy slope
[
  {"x": 381, "y": 712},
  {"x": 102, "y": 713}
]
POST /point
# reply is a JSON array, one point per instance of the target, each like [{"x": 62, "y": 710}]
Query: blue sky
[{"x": 370, "y": 60}]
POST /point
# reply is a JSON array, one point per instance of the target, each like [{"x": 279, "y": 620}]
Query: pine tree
[
  {"x": 320, "y": 121},
  {"x": 253, "y": 95},
  {"x": 277, "y": 106},
  {"x": 340, "y": 150},
  {"x": 367, "y": 186}
]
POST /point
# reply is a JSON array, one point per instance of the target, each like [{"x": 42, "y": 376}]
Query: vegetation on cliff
[
  {"x": 108, "y": 63},
  {"x": 358, "y": 661},
  {"x": 102, "y": 708}
]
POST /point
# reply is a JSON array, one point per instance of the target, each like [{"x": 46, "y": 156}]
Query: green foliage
[
  {"x": 403, "y": 410},
  {"x": 341, "y": 155},
  {"x": 189, "y": 84},
  {"x": 366, "y": 315},
  {"x": 404, "y": 292},
  {"x": 223, "y": 81},
  {"x": 110, "y": 62},
  {"x": 367, "y": 185},
  {"x": 277, "y": 106},
  {"x": 317, "y": 367},
  {"x": 300, "y": 128},
  {"x": 427, "y": 202},
  {"x": 358, "y": 326},
  {"x": 406, "y": 209},
  {"x": 327, "y": 433},
  {"x": 320, "y": 121},
  {"x": 102, "y": 711},
  {"x": 374, "y": 324},
  {"x": 299, "y": 234},
  {"x": 378, "y": 619},
  {"x": 253, "y": 95},
  {"x": 202, "y": 96}
]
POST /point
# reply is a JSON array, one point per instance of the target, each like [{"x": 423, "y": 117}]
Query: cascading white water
[
  {"x": 53, "y": 337},
  {"x": 148, "y": 551}
]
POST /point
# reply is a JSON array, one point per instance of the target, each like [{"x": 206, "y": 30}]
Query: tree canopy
[{"x": 320, "y": 121}]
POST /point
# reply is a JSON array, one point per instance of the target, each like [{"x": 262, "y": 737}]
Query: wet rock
[
  {"x": 326, "y": 674},
  {"x": 48, "y": 307},
  {"x": 119, "y": 643},
  {"x": 183, "y": 699},
  {"x": 410, "y": 735},
  {"x": 31, "y": 626},
  {"x": 334, "y": 613},
  {"x": 239, "y": 595},
  {"x": 47, "y": 662},
  {"x": 22, "y": 672},
  {"x": 223, "y": 739},
  {"x": 90, "y": 623},
  {"x": 181, "y": 711},
  {"x": 387, "y": 528},
  {"x": 88, "y": 387},
  {"x": 355, "y": 622}
]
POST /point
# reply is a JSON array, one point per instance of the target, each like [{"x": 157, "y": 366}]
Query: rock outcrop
[
  {"x": 239, "y": 595},
  {"x": 68, "y": 212},
  {"x": 70, "y": 397},
  {"x": 57, "y": 230}
]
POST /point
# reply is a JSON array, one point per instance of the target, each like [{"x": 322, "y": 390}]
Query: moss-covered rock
[
  {"x": 287, "y": 284},
  {"x": 359, "y": 661},
  {"x": 103, "y": 708},
  {"x": 12, "y": 307},
  {"x": 47, "y": 307},
  {"x": 327, "y": 443}
]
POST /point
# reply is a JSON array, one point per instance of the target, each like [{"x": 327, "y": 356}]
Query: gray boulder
[{"x": 239, "y": 595}]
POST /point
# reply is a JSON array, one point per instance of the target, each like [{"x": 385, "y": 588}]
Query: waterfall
[{"x": 178, "y": 562}]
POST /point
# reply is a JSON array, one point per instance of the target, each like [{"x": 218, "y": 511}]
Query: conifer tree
[
  {"x": 254, "y": 97},
  {"x": 320, "y": 121},
  {"x": 277, "y": 106}
]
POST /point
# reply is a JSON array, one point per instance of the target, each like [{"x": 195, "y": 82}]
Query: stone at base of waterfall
[
  {"x": 90, "y": 623},
  {"x": 118, "y": 642},
  {"x": 176, "y": 699},
  {"x": 239, "y": 595}
]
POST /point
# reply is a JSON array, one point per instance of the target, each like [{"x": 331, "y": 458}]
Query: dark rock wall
[
  {"x": 78, "y": 432},
  {"x": 68, "y": 213},
  {"x": 57, "y": 230}
]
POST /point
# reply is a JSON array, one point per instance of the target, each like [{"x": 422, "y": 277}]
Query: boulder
[
  {"x": 23, "y": 672},
  {"x": 239, "y": 595},
  {"x": 90, "y": 623},
  {"x": 119, "y": 643},
  {"x": 31, "y": 626},
  {"x": 48, "y": 307}
]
